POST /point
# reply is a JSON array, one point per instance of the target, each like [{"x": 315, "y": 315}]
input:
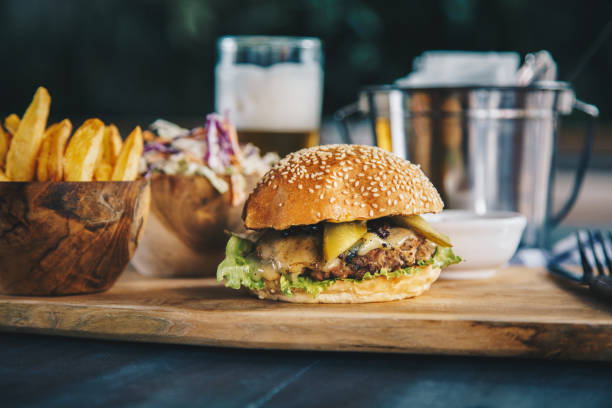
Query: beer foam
[{"x": 282, "y": 97}]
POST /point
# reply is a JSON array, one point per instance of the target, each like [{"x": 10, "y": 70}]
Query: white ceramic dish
[{"x": 484, "y": 241}]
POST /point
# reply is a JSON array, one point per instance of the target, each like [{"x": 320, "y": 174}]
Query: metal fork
[{"x": 596, "y": 274}]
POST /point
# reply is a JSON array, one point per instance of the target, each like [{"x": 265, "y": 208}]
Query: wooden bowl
[
  {"x": 62, "y": 238},
  {"x": 185, "y": 233}
]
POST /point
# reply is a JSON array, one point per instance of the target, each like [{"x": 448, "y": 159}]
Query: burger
[{"x": 338, "y": 224}]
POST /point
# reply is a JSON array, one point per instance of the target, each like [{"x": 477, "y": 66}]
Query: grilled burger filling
[
  {"x": 299, "y": 252},
  {"x": 313, "y": 257}
]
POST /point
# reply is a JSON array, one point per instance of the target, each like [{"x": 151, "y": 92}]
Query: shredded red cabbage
[
  {"x": 221, "y": 150},
  {"x": 160, "y": 147}
]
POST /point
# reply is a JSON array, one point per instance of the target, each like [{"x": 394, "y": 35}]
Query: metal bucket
[{"x": 485, "y": 148}]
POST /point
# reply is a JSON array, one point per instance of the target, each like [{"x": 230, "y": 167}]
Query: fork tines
[{"x": 599, "y": 246}]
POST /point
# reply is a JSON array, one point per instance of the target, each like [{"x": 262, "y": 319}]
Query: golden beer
[
  {"x": 272, "y": 90},
  {"x": 281, "y": 142},
  {"x": 383, "y": 134}
]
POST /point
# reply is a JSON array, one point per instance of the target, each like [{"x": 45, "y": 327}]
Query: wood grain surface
[
  {"x": 193, "y": 210},
  {"x": 59, "y": 238},
  {"x": 185, "y": 232},
  {"x": 519, "y": 312}
]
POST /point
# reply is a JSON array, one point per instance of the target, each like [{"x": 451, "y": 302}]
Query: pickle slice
[
  {"x": 338, "y": 237},
  {"x": 418, "y": 224}
]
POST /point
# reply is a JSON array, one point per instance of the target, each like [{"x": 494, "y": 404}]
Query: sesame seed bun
[
  {"x": 339, "y": 183},
  {"x": 379, "y": 289}
]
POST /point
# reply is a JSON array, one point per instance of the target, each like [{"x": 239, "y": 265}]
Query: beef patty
[{"x": 391, "y": 259}]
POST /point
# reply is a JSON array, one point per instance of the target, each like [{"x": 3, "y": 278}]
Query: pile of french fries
[{"x": 31, "y": 151}]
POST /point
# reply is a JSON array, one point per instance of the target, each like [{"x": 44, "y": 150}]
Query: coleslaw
[{"x": 211, "y": 151}]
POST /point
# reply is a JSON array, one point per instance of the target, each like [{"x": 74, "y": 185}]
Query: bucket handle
[
  {"x": 593, "y": 112},
  {"x": 342, "y": 116}
]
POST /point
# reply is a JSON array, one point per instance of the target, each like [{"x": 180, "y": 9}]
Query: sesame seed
[
  {"x": 331, "y": 200},
  {"x": 356, "y": 165},
  {"x": 371, "y": 213}
]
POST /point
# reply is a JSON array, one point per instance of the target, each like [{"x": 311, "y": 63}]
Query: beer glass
[{"x": 272, "y": 89}]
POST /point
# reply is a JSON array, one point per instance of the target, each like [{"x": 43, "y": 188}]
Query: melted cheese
[
  {"x": 268, "y": 270},
  {"x": 370, "y": 241},
  {"x": 331, "y": 265},
  {"x": 396, "y": 238},
  {"x": 289, "y": 254}
]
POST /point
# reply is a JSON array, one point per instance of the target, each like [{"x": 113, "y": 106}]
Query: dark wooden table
[{"x": 43, "y": 371}]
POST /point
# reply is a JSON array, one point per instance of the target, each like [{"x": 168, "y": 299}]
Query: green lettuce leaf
[
  {"x": 239, "y": 267},
  {"x": 444, "y": 257},
  {"x": 305, "y": 283}
]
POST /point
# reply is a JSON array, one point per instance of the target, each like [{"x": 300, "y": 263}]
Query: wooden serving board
[{"x": 519, "y": 312}]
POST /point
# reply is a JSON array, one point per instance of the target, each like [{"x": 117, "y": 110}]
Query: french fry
[
  {"x": 126, "y": 168},
  {"x": 114, "y": 144},
  {"x": 109, "y": 154},
  {"x": 4, "y": 146},
  {"x": 3, "y": 177},
  {"x": 104, "y": 172},
  {"x": 51, "y": 157},
  {"x": 83, "y": 151},
  {"x": 11, "y": 123},
  {"x": 43, "y": 161},
  {"x": 26, "y": 142}
]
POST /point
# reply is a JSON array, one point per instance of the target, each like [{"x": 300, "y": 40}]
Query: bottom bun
[{"x": 379, "y": 289}]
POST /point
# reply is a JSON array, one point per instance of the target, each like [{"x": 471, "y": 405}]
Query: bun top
[{"x": 339, "y": 183}]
